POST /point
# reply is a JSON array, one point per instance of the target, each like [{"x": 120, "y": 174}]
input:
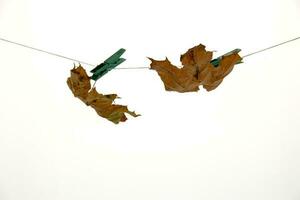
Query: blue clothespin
[
  {"x": 215, "y": 62},
  {"x": 110, "y": 63}
]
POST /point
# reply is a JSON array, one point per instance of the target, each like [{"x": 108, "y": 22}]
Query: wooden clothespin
[
  {"x": 215, "y": 62},
  {"x": 110, "y": 63}
]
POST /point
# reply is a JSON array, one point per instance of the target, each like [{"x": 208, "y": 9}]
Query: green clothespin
[
  {"x": 215, "y": 62},
  {"x": 110, "y": 63}
]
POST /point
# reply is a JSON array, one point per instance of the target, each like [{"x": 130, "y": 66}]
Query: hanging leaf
[
  {"x": 79, "y": 83},
  {"x": 197, "y": 70}
]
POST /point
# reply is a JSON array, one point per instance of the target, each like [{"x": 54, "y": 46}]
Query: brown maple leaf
[
  {"x": 197, "y": 70},
  {"x": 79, "y": 83}
]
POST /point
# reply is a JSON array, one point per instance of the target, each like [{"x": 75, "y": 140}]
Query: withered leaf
[
  {"x": 79, "y": 83},
  {"x": 197, "y": 70}
]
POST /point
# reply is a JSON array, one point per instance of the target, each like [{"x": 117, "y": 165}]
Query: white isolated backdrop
[{"x": 240, "y": 141}]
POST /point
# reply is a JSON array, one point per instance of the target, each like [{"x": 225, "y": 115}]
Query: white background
[{"x": 238, "y": 142}]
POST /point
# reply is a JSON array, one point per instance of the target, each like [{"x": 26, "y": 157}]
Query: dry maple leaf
[
  {"x": 79, "y": 83},
  {"x": 197, "y": 70}
]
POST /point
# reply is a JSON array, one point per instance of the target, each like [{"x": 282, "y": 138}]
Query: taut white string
[{"x": 86, "y": 63}]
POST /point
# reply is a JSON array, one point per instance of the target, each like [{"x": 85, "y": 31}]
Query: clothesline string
[
  {"x": 86, "y": 63},
  {"x": 271, "y": 47}
]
